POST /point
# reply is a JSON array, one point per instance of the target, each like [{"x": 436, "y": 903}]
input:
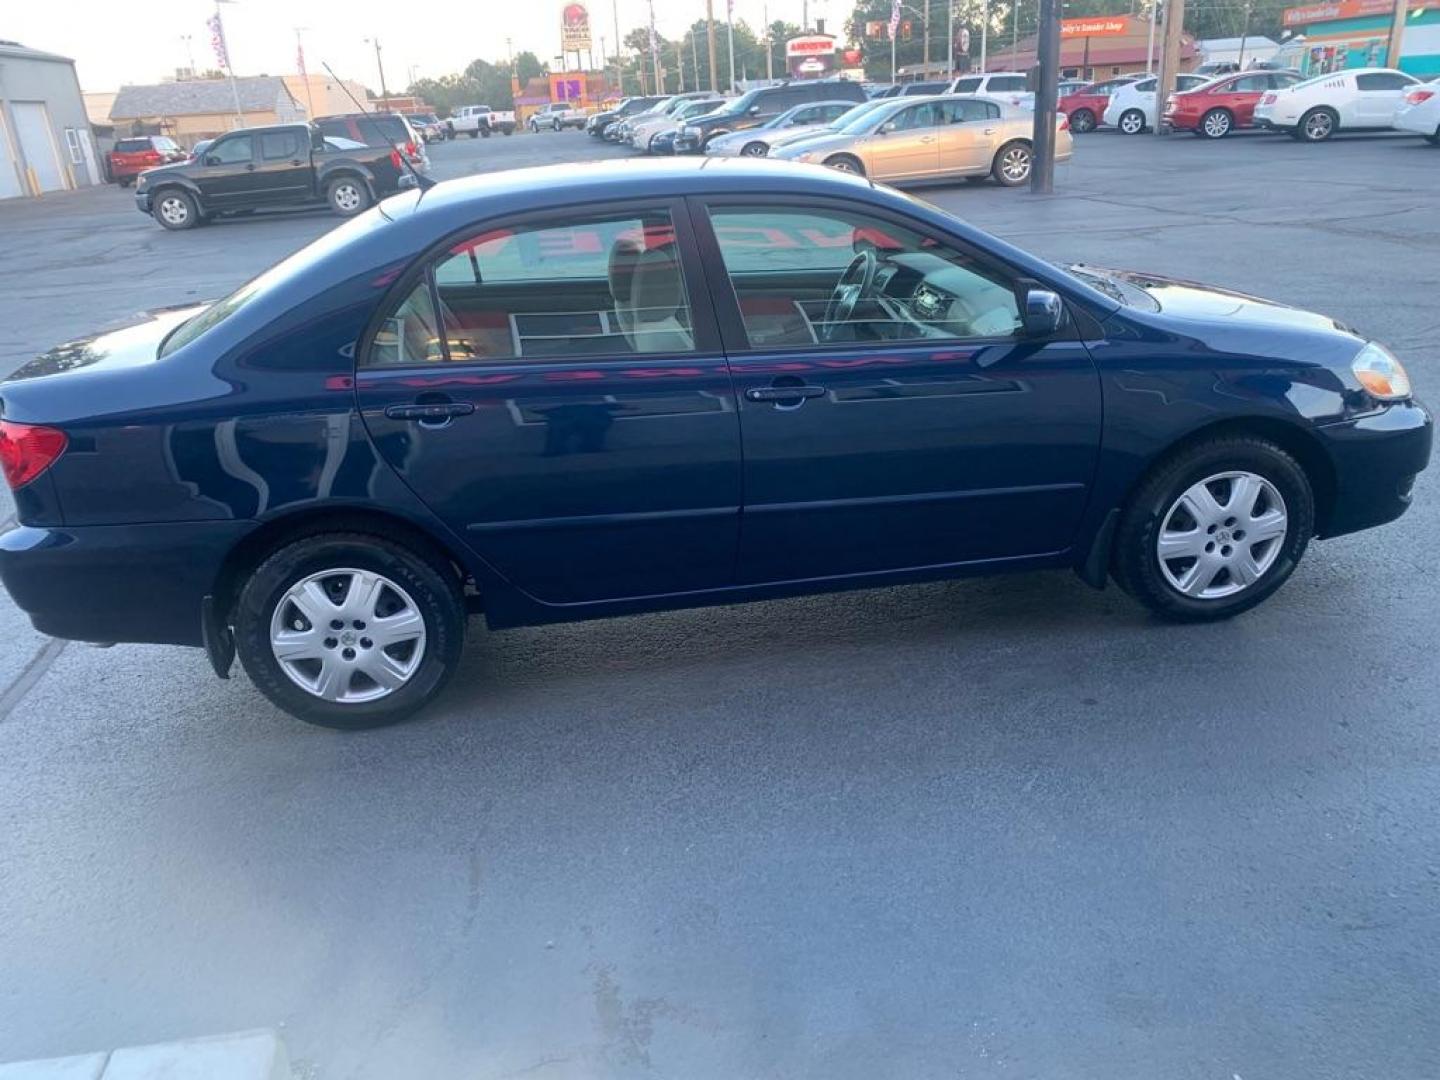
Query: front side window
[
  {"x": 235, "y": 151},
  {"x": 804, "y": 277},
  {"x": 601, "y": 285},
  {"x": 917, "y": 116},
  {"x": 1382, "y": 80}
]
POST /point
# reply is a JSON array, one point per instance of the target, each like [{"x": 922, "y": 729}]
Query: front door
[
  {"x": 227, "y": 179},
  {"x": 969, "y": 136},
  {"x": 554, "y": 389},
  {"x": 907, "y": 145},
  {"x": 892, "y": 414}
]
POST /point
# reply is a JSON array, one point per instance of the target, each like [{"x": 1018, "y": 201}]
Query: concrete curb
[{"x": 244, "y": 1055}]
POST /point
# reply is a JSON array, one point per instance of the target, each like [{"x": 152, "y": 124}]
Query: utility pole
[
  {"x": 695, "y": 56},
  {"x": 619, "y": 48},
  {"x": 769, "y": 45},
  {"x": 1240, "y": 60},
  {"x": 925, "y": 53},
  {"x": 1169, "y": 60},
  {"x": 680, "y": 65},
  {"x": 384, "y": 93},
  {"x": 190, "y": 54},
  {"x": 655, "y": 51},
  {"x": 730, "y": 37},
  {"x": 950, "y": 39},
  {"x": 804, "y": 16},
  {"x": 1150, "y": 48},
  {"x": 1397, "y": 35},
  {"x": 710, "y": 42},
  {"x": 1042, "y": 163},
  {"x": 985, "y": 34}
]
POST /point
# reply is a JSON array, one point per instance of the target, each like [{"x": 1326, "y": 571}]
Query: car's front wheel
[
  {"x": 1215, "y": 529},
  {"x": 1081, "y": 121},
  {"x": 846, "y": 163},
  {"x": 175, "y": 209},
  {"x": 349, "y": 630},
  {"x": 1012, "y": 164}
]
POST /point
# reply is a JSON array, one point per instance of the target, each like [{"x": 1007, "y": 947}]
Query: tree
[{"x": 527, "y": 67}]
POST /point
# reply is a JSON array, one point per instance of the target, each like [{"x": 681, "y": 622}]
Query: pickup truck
[
  {"x": 477, "y": 120},
  {"x": 557, "y": 116},
  {"x": 282, "y": 165}
]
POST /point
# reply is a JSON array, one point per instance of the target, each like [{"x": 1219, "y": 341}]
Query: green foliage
[
  {"x": 481, "y": 83},
  {"x": 694, "y": 57}
]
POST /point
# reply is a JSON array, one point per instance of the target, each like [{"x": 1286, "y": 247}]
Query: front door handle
[
  {"x": 436, "y": 412},
  {"x": 784, "y": 395}
]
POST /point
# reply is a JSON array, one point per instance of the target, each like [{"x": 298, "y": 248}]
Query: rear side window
[
  {"x": 960, "y": 112},
  {"x": 333, "y": 127},
  {"x": 279, "y": 145},
  {"x": 132, "y": 146},
  {"x": 1382, "y": 80},
  {"x": 162, "y": 142},
  {"x": 967, "y": 86},
  {"x": 1248, "y": 85},
  {"x": 1007, "y": 83},
  {"x": 579, "y": 285}
]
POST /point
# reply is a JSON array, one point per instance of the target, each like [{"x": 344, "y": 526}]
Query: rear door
[
  {"x": 909, "y": 433},
  {"x": 968, "y": 135},
  {"x": 553, "y": 387},
  {"x": 283, "y": 173}
]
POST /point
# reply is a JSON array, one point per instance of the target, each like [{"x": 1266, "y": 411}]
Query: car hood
[
  {"x": 1181, "y": 299},
  {"x": 174, "y": 166},
  {"x": 134, "y": 344},
  {"x": 818, "y": 142}
]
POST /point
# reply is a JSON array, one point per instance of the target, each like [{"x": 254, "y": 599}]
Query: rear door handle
[
  {"x": 435, "y": 411},
  {"x": 784, "y": 394}
]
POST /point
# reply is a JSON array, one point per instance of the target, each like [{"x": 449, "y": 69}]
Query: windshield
[
  {"x": 1116, "y": 288},
  {"x": 860, "y": 117}
]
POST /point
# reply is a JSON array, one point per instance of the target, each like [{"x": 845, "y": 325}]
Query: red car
[
  {"x": 1086, "y": 106},
  {"x": 1218, "y": 108},
  {"x": 131, "y": 157}
]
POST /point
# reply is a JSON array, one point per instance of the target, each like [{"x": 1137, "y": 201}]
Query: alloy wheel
[
  {"x": 1217, "y": 124},
  {"x": 1132, "y": 123},
  {"x": 174, "y": 210},
  {"x": 1221, "y": 535},
  {"x": 754, "y": 149},
  {"x": 347, "y": 635},
  {"x": 1015, "y": 165},
  {"x": 1318, "y": 126}
]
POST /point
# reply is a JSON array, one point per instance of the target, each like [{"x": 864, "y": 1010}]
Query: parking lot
[{"x": 1007, "y": 827}]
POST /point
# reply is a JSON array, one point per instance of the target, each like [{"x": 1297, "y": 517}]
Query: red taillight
[
  {"x": 1064, "y": 122},
  {"x": 152, "y": 157},
  {"x": 27, "y": 450},
  {"x": 410, "y": 148},
  {"x": 1415, "y": 97},
  {"x": 395, "y": 159}
]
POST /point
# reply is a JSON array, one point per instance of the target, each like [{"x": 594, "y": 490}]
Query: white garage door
[
  {"x": 9, "y": 177},
  {"x": 32, "y": 129}
]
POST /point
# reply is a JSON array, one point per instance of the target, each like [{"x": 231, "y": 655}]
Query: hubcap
[
  {"x": 174, "y": 210},
  {"x": 347, "y": 636},
  {"x": 1082, "y": 122},
  {"x": 843, "y": 165},
  {"x": 1222, "y": 535},
  {"x": 755, "y": 150},
  {"x": 1016, "y": 164},
  {"x": 1131, "y": 123},
  {"x": 1318, "y": 126},
  {"x": 1216, "y": 124},
  {"x": 347, "y": 197}
]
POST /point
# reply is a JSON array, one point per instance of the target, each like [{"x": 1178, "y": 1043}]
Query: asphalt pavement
[{"x": 1000, "y": 828}]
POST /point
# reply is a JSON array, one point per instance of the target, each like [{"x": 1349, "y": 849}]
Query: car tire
[
  {"x": 754, "y": 149},
  {"x": 1233, "y": 571},
  {"x": 1081, "y": 121},
  {"x": 846, "y": 163},
  {"x": 1012, "y": 164},
  {"x": 1434, "y": 140},
  {"x": 1131, "y": 122},
  {"x": 342, "y": 694},
  {"x": 347, "y": 195},
  {"x": 1216, "y": 124},
  {"x": 175, "y": 209},
  {"x": 705, "y": 142},
  {"x": 1317, "y": 125}
]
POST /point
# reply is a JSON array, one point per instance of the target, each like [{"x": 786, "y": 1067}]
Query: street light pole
[
  {"x": 710, "y": 42},
  {"x": 619, "y": 48},
  {"x": 384, "y": 92},
  {"x": 984, "y": 34},
  {"x": 730, "y": 37},
  {"x": 950, "y": 39}
]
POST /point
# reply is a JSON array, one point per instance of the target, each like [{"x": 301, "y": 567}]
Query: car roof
[{"x": 545, "y": 186}]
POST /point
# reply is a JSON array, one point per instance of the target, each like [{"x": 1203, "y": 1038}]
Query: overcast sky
[{"x": 116, "y": 42}]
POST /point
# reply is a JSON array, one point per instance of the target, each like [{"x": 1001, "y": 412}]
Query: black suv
[
  {"x": 597, "y": 122},
  {"x": 754, "y": 107},
  {"x": 373, "y": 129}
]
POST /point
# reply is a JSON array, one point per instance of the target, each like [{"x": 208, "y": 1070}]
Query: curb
[{"x": 244, "y": 1055}]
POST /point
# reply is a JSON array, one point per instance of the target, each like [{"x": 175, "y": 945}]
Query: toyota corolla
[{"x": 560, "y": 394}]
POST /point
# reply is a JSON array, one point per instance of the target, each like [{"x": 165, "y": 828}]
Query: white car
[
  {"x": 1419, "y": 111},
  {"x": 1361, "y": 99},
  {"x": 645, "y": 129},
  {"x": 1010, "y": 87},
  {"x": 1132, "y": 107},
  {"x": 801, "y": 120}
]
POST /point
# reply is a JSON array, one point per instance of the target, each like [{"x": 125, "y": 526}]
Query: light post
[{"x": 384, "y": 92}]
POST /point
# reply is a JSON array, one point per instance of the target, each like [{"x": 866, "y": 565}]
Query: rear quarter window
[{"x": 132, "y": 146}]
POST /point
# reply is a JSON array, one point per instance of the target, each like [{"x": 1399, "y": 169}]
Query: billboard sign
[
  {"x": 810, "y": 57},
  {"x": 574, "y": 28}
]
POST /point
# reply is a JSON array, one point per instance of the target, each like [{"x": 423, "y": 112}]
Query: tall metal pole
[
  {"x": 950, "y": 39},
  {"x": 892, "y": 56},
  {"x": 710, "y": 42},
  {"x": 384, "y": 93},
  {"x": 1042, "y": 165},
  {"x": 1150, "y": 48},
  {"x": 1397, "y": 35},
  {"x": 984, "y": 34},
  {"x": 695, "y": 56},
  {"x": 229, "y": 67},
  {"x": 769, "y": 45},
  {"x": 619, "y": 48},
  {"x": 680, "y": 65},
  {"x": 655, "y": 51},
  {"x": 925, "y": 52},
  {"x": 730, "y": 37}
]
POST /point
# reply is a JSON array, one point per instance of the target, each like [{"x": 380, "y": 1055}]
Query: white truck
[
  {"x": 556, "y": 116},
  {"x": 477, "y": 120}
]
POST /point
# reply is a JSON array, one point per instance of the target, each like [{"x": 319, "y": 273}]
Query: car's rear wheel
[
  {"x": 754, "y": 149},
  {"x": 1317, "y": 125},
  {"x": 175, "y": 209},
  {"x": 1434, "y": 140},
  {"x": 347, "y": 630},
  {"x": 846, "y": 163},
  {"x": 1132, "y": 122},
  {"x": 347, "y": 195},
  {"x": 1011, "y": 166},
  {"x": 1215, "y": 529},
  {"x": 1081, "y": 121},
  {"x": 1216, "y": 124}
]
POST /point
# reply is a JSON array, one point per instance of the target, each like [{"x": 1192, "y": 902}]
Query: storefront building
[{"x": 1344, "y": 34}]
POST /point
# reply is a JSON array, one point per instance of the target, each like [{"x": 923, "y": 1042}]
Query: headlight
[{"x": 1382, "y": 376}]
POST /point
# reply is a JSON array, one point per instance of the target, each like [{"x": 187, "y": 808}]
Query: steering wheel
[{"x": 855, "y": 283}]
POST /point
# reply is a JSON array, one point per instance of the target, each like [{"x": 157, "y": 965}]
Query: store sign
[
  {"x": 1346, "y": 9},
  {"x": 1095, "y": 26},
  {"x": 811, "y": 56},
  {"x": 574, "y": 28},
  {"x": 812, "y": 45}
]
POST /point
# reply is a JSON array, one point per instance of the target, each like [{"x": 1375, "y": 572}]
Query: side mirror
[
  {"x": 211, "y": 159},
  {"x": 1044, "y": 313},
  {"x": 754, "y": 110},
  {"x": 887, "y": 127}
]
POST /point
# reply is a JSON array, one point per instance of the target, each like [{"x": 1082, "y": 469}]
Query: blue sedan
[{"x": 566, "y": 393}]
